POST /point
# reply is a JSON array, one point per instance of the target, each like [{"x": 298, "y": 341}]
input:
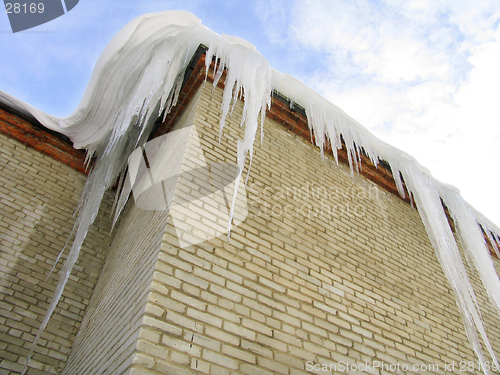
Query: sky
[{"x": 422, "y": 75}]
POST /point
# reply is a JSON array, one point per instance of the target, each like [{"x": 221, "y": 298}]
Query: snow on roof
[{"x": 140, "y": 73}]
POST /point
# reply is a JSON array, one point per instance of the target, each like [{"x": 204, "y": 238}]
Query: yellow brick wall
[
  {"x": 38, "y": 197},
  {"x": 324, "y": 269}
]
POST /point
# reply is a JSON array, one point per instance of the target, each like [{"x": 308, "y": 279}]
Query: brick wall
[
  {"x": 324, "y": 269},
  {"x": 38, "y": 196}
]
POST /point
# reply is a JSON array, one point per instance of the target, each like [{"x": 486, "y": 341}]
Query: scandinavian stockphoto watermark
[
  {"x": 312, "y": 202},
  {"x": 171, "y": 173},
  {"x": 24, "y": 14},
  {"x": 393, "y": 368}
]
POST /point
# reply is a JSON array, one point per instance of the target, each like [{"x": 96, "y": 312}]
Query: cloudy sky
[{"x": 422, "y": 75}]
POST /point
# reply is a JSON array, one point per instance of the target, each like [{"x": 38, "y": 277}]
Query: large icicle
[
  {"x": 138, "y": 76},
  {"x": 428, "y": 202},
  {"x": 248, "y": 72}
]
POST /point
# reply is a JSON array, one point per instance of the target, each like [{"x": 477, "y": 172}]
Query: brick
[
  {"x": 167, "y": 280},
  {"x": 254, "y": 370},
  {"x": 204, "y": 317},
  {"x": 224, "y": 314},
  {"x": 181, "y": 346},
  {"x": 239, "y": 330},
  {"x": 325, "y": 308},
  {"x": 267, "y": 341},
  {"x": 191, "y": 279},
  {"x": 258, "y": 349},
  {"x": 271, "y": 303},
  {"x": 222, "y": 336},
  {"x": 140, "y": 371},
  {"x": 219, "y": 359},
  {"x": 199, "y": 365},
  {"x": 149, "y": 335},
  {"x": 188, "y": 300},
  {"x": 289, "y": 361},
  {"x": 271, "y": 284},
  {"x": 143, "y": 360},
  {"x": 151, "y": 349},
  {"x": 256, "y": 326},
  {"x": 169, "y": 368},
  {"x": 183, "y": 321},
  {"x": 209, "y": 276},
  {"x": 223, "y": 292},
  {"x": 235, "y": 278},
  {"x": 202, "y": 341},
  {"x": 239, "y": 354},
  {"x": 259, "y": 289},
  {"x": 166, "y": 303}
]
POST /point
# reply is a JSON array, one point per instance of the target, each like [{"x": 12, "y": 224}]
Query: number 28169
[{"x": 24, "y": 8}]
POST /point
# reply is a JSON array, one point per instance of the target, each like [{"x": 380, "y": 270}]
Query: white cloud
[
  {"x": 274, "y": 19},
  {"x": 422, "y": 75},
  {"x": 382, "y": 42}
]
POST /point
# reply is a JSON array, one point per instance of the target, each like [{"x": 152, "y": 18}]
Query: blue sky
[{"x": 421, "y": 74}]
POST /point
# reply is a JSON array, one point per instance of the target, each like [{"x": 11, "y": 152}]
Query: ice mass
[{"x": 138, "y": 78}]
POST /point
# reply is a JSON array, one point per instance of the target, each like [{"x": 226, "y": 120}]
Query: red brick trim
[{"x": 41, "y": 140}]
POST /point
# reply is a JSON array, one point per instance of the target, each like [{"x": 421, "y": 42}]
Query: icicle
[
  {"x": 475, "y": 244},
  {"x": 249, "y": 167},
  {"x": 491, "y": 239},
  {"x": 496, "y": 243},
  {"x": 248, "y": 72},
  {"x": 61, "y": 253},
  {"x": 397, "y": 179},
  {"x": 428, "y": 202}
]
